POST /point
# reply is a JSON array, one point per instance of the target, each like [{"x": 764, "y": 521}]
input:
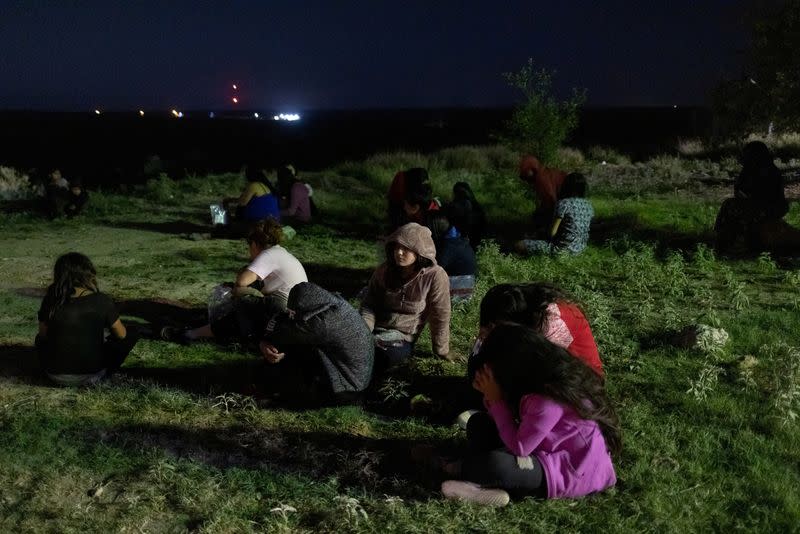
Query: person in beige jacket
[{"x": 405, "y": 292}]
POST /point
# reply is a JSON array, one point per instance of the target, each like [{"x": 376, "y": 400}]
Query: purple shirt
[
  {"x": 299, "y": 203},
  {"x": 572, "y": 450}
]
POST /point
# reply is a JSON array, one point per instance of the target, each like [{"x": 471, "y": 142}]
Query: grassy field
[{"x": 173, "y": 444}]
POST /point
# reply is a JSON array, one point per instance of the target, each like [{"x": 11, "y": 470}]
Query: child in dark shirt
[{"x": 73, "y": 318}]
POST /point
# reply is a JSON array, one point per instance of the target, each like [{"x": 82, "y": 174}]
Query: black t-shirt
[{"x": 75, "y": 335}]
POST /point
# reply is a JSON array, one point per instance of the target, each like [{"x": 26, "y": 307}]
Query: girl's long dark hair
[
  {"x": 521, "y": 303},
  {"x": 72, "y": 270},
  {"x": 524, "y": 362}
]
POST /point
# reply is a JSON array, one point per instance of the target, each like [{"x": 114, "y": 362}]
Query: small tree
[{"x": 540, "y": 123}]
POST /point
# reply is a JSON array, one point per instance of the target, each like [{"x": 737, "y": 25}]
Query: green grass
[{"x": 173, "y": 445}]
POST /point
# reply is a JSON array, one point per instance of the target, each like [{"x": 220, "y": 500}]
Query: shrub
[
  {"x": 541, "y": 123},
  {"x": 600, "y": 154},
  {"x": 471, "y": 158},
  {"x": 569, "y": 159},
  {"x": 14, "y": 185}
]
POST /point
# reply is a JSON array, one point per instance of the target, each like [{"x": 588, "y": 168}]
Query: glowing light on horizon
[
  {"x": 141, "y": 113},
  {"x": 97, "y": 112},
  {"x": 177, "y": 114},
  {"x": 235, "y": 100},
  {"x": 286, "y": 117},
  {"x": 255, "y": 115},
  {"x": 234, "y": 87}
]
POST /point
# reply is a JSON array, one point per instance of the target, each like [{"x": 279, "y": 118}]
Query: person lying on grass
[
  {"x": 260, "y": 291},
  {"x": 73, "y": 318},
  {"x": 319, "y": 346},
  {"x": 572, "y": 218},
  {"x": 550, "y": 431},
  {"x": 405, "y": 292}
]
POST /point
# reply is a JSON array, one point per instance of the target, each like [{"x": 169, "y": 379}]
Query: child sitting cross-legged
[{"x": 550, "y": 431}]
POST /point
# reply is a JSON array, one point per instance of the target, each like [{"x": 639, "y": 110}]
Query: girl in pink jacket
[{"x": 550, "y": 430}]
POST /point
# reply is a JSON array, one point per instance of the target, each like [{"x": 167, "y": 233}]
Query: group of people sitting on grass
[
  {"x": 62, "y": 197},
  {"x": 548, "y": 429}
]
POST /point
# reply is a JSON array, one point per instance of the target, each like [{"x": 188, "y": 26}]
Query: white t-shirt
[{"x": 279, "y": 270}]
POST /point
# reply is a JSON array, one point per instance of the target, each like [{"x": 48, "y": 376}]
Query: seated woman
[
  {"x": 550, "y": 431},
  {"x": 546, "y": 183},
  {"x": 752, "y": 221},
  {"x": 455, "y": 255},
  {"x": 73, "y": 319},
  {"x": 545, "y": 308},
  {"x": 258, "y": 200},
  {"x": 405, "y": 292},
  {"x": 572, "y": 219},
  {"x": 260, "y": 291},
  {"x": 296, "y": 200},
  {"x": 322, "y": 337}
]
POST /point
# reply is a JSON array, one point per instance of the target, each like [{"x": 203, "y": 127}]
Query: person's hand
[
  {"x": 270, "y": 352},
  {"x": 229, "y": 285},
  {"x": 485, "y": 383}
]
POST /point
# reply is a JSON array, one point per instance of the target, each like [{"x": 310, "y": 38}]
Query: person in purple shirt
[{"x": 550, "y": 431}]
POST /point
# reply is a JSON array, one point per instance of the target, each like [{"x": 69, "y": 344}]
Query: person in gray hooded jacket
[{"x": 324, "y": 335}]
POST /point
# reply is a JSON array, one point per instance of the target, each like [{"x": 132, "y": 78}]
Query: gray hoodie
[{"x": 316, "y": 318}]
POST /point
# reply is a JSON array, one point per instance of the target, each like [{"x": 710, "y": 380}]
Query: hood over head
[
  {"x": 307, "y": 300},
  {"x": 527, "y": 164},
  {"x": 414, "y": 237}
]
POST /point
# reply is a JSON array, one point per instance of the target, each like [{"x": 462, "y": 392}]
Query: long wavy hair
[
  {"x": 524, "y": 362},
  {"x": 521, "y": 303},
  {"x": 71, "y": 271}
]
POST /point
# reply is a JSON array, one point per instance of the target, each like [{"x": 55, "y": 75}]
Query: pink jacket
[{"x": 572, "y": 450}]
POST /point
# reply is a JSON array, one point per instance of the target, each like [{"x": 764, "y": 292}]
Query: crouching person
[{"x": 321, "y": 339}]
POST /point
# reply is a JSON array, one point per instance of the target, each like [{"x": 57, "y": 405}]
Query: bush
[
  {"x": 471, "y": 158},
  {"x": 569, "y": 159},
  {"x": 600, "y": 154},
  {"x": 14, "y": 185},
  {"x": 541, "y": 123}
]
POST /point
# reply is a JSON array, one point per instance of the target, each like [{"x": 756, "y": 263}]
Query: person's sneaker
[
  {"x": 463, "y": 418},
  {"x": 175, "y": 335},
  {"x": 471, "y": 492}
]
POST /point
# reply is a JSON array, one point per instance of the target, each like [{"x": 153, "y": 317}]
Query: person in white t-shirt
[{"x": 260, "y": 291}]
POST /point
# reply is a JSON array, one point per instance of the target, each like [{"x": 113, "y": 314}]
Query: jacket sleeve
[
  {"x": 285, "y": 332},
  {"x": 372, "y": 300},
  {"x": 438, "y": 304},
  {"x": 537, "y": 417}
]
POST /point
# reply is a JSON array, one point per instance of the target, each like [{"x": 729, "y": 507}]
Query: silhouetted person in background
[
  {"x": 466, "y": 214},
  {"x": 403, "y": 182},
  {"x": 752, "y": 220},
  {"x": 296, "y": 201},
  {"x": 56, "y": 193},
  {"x": 76, "y": 198}
]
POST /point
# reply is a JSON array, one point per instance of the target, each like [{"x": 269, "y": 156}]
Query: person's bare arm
[
  {"x": 248, "y": 193},
  {"x": 242, "y": 285},
  {"x": 118, "y": 329},
  {"x": 554, "y": 229}
]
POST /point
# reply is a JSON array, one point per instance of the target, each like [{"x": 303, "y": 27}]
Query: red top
[
  {"x": 545, "y": 181},
  {"x": 567, "y": 327},
  {"x": 397, "y": 191}
]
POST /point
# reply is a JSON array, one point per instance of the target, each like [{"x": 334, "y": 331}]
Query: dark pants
[
  {"x": 114, "y": 353},
  {"x": 249, "y": 317},
  {"x": 489, "y": 463}
]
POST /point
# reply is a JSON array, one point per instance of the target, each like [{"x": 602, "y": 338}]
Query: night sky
[{"x": 297, "y": 55}]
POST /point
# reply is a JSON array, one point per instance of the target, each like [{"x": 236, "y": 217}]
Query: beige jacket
[{"x": 425, "y": 298}]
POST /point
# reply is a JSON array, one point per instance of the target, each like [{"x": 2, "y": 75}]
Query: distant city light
[
  {"x": 286, "y": 117},
  {"x": 255, "y": 115},
  {"x": 176, "y": 113},
  {"x": 180, "y": 114},
  {"x": 675, "y": 106},
  {"x": 210, "y": 114},
  {"x": 97, "y": 112},
  {"x": 234, "y": 87},
  {"x": 141, "y": 113},
  {"x": 235, "y": 100}
]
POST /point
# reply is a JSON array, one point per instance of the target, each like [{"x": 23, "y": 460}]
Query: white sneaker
[
  {"x": 471, "y": 492},
  {"x": 463, "y": 418}
]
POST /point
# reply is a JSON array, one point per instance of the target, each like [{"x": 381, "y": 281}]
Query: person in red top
[
  {"x": 546, "y": 183},
  {"x": 403, "y": 183},
  {"x": 547, "y": 309}
]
